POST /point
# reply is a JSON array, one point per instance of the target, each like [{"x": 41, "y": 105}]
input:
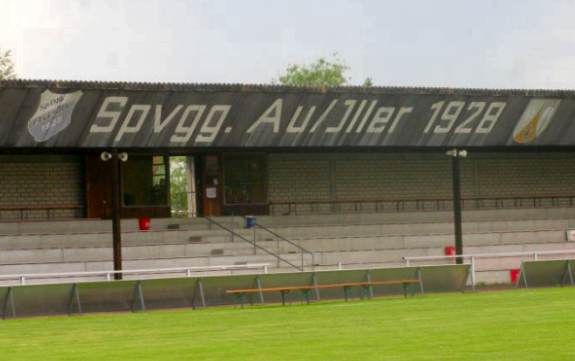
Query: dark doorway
[
  {"x": 211, "y": 186},
  {"x": 144, "y": 191},
  {"x": 245, "y": 184},
  {"x": 98, "y": 187}
]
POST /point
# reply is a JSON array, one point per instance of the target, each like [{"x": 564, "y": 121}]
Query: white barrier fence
[
  {"x": 490, "y": 262},
  {"x": 43, "y": 278}
]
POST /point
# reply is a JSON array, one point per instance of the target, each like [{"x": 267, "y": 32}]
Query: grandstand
[{"x": 337, "y": 179}]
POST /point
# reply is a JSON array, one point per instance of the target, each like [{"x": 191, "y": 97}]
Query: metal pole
[
  {"x": 116, "y": 216},
  {"x": 456, "y": 182},
  {"x": 473, "y": 279}
]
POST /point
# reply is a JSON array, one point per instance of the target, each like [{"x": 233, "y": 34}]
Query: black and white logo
[{"x": 53, "y": 115}]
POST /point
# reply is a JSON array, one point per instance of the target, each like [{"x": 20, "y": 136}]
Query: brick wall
[
  {"x": 41, "y": 181},
  {"x": 517, "y": 177},
  {"x": 390, "y": 176}
]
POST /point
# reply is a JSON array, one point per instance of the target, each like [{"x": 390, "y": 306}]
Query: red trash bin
[
  {"x": 144, "y": 223},
  {"x": 514, "y": 275},
  {"x": 449, "y": 251}
]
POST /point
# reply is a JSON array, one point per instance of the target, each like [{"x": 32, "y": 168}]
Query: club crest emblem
[
  {"x": 53, "y": 114},
  {"x": 535, "y": 119}
]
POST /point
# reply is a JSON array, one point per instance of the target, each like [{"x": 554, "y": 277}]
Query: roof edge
[{"x": 238, "y": 87}]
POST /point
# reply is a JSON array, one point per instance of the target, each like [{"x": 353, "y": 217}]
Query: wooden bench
[{"x": 240, "y": 293}]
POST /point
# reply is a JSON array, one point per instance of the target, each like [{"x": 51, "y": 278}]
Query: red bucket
[
  {"x": 449, "y": 251},
  {"x": 144, "y": 223},
  {"x": 514, "y": 275}
]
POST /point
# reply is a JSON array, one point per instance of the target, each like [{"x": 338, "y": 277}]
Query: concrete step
[
  {"x": 80, "y": 240},
  {"x": 328, "y": 259},
  {"x": 99, "y": 226},
  {"x": 336, "y": 231},
  {"x": 405, "y": 218},
  {"x": 424, "y": 241},
  {"x": 52, "y": 250},
  {"x": 396, "y": 233},
  {"x": 488, "y": 215},
  {"x": 90, "y": 254}
]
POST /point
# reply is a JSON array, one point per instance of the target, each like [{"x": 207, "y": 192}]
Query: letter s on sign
[{"x": 113, "y": 115}]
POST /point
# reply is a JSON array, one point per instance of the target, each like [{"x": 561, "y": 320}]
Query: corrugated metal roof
[{"x": 208, "y": 87}]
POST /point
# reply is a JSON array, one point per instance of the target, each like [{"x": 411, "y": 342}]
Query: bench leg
[
  {"x": 306, "y": 295},
  {"x": 283, "y": 293},
  {"x": 346, "y": 293},
  {"x": 240, "y": 299},
  {"x": 365, "y": 292}
]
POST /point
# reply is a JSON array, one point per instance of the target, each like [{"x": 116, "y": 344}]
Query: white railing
[
  {"x": 29, "y": 278},
  {"x": 472, "y": 259}
]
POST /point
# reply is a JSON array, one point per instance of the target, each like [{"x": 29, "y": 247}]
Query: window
[
  {"x": 145, "y": 181},
  {"x": 245, "y": 179}
]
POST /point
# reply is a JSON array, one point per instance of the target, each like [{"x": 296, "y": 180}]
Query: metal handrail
[
  {"x": 253, "y": 243},
  {"x": 301, "y": 249},
  {"x": 440, "y": 203},
  {"x": 534, "y": 254},
  {"x": 25, "y": 277},
  {"x": 473, "y": 257}
]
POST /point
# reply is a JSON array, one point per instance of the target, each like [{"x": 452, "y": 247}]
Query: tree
[
  {"x": 367, "y": 83},
  {"x": 6, "y": 65},
  {"x": 321, "y": 73}
]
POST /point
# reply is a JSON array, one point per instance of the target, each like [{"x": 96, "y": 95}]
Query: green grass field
[{"x": 506, "y": 325}]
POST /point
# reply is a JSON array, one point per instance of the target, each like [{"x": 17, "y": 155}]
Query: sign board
[{"x": 88, "y": 115}]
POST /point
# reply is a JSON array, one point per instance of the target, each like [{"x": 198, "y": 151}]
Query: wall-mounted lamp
[
  {"x": 105, "y": 156},
  {"x": 461, "y": 153},
  {"x": 123, "y": 156}
]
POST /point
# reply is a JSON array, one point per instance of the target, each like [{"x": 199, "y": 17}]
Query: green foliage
[
  {"x": 178, "y": 185},
  {"x": 515, "y": 325},
  {"x": 322, "y": 73},
  {"x": 367, "y": 83},
  {"x": 6, "y": 65}
]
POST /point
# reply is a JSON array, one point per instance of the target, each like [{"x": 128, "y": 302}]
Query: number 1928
[{"x": 478, "y": 117}]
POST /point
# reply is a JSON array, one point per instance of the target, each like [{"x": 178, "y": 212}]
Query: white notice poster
[{"x": 211, "y": 192}]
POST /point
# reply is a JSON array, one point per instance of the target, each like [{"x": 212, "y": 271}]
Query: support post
[
  {"x": 116, "y": 214},
  {"x": 456, "y": 183},
  {"x": 74, "y": 300},
  {"x": 567, "y": 274},
  {"x": 522, "y": 277},
  {"x": 9, "y": 304},
  {"x": 420, "y": 279},
  {"x": 314, "y": 281},
  {"x": 259, "y": 286},
  {"x": 473, "y": 281},
  {"x": 570, "y": 270},
  {"x": 370, "y": 287},
  {"x": 201, "y": 292},
  {"x": 138, "y": 297}
]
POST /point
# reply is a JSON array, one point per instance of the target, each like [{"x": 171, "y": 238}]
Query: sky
[{"x": 445, "y": 43}]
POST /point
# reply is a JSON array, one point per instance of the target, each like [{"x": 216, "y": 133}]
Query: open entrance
[
  {"x": 214, "y": 185},
  {"x": 183, "y": 185},
  {"x": 196, "y": 185}
]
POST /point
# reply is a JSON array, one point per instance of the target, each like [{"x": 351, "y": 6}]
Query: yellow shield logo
[{"x": 535, "y": 119}]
